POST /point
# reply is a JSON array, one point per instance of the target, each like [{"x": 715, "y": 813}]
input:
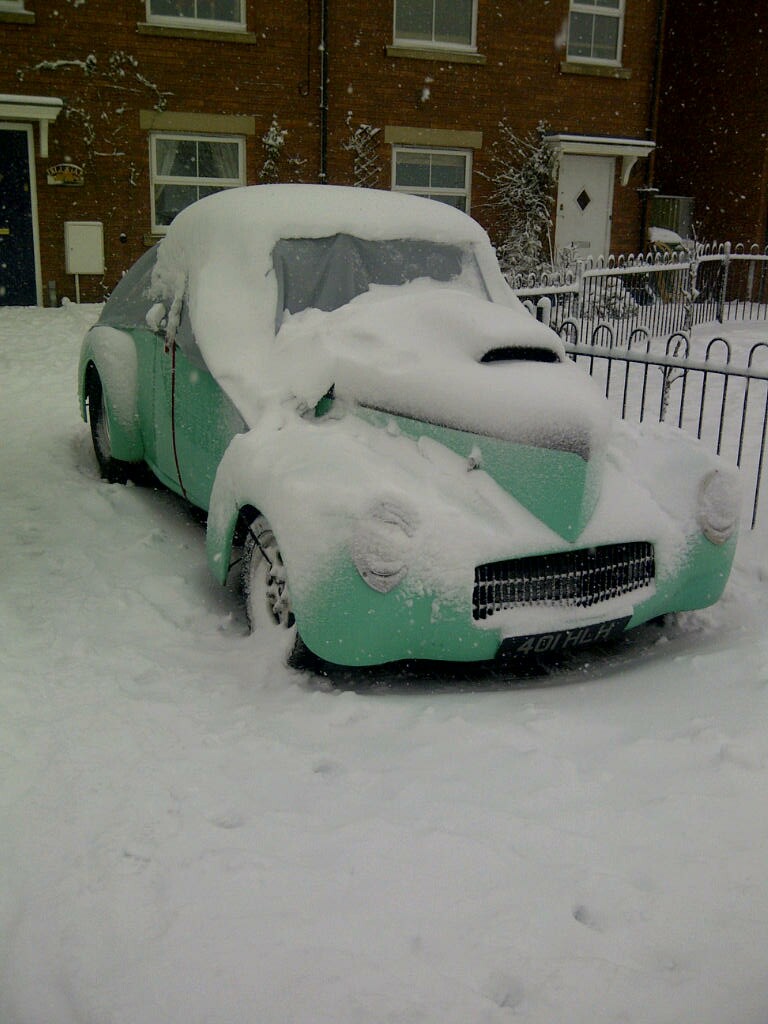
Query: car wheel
[
  {"x": 111, "y": 469},
  {"x": 265, "y": 583}
]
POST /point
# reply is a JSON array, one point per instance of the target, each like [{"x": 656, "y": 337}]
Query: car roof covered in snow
[{"x": 218, "y": 258}]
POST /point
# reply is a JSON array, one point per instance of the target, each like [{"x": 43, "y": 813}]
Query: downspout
[
  {"x": 653, "y": 116},
  {"x": 762, "y": 216},
  {"x": 323, "y": 175}
]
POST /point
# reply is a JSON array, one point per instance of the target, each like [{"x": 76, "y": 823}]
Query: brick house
[
  {"x": 714, "y": 91},
  {"x": 115, "y": 116}
]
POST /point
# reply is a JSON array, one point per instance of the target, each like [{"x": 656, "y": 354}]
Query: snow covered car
[{"x": 404, "y": 463}]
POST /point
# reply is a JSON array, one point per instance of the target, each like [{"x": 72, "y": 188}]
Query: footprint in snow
[{"x": 584, "y": 916}]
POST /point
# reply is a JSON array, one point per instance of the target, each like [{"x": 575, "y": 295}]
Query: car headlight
[
  {"x": 382, "y": 545},
  {"x": 718, "y": 506}
]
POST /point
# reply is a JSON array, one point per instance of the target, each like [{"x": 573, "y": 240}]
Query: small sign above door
[{"x": 66, "y": 174}]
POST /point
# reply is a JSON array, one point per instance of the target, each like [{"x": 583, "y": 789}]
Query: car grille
[{"x": 569, "y": 579}]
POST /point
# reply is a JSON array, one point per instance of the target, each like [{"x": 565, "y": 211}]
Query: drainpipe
[
  {"x": 653, "y": 115},
  {"x": 323, "y": 175}
]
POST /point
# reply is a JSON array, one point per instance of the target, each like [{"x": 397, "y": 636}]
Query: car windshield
[{"x": 326, "y": 273}]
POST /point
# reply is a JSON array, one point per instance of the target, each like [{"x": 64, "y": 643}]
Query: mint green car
[{"x": 399, "y": 460}]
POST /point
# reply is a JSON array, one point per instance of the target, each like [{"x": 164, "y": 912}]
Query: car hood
[{"x": 480, "y": 378}]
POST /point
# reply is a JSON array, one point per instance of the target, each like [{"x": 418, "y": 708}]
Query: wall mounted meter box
[{"x": 84, "y": 246}]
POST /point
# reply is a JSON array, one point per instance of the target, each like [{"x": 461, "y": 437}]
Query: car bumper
[{"x": 343, "y": 621}]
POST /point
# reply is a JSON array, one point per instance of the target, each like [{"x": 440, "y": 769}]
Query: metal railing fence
[
  {"x": 724, "y": 404},
  {"x": 661, "y": 292}
]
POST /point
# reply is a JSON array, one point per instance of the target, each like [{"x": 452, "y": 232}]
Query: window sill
[
  {"x": 594, "y": 70},
  {"x": 446, "y": 56},
  {"x": 153, "y": 239},
  {"x": 19, "y": 17},
  {"x": 235, "y": 36}
]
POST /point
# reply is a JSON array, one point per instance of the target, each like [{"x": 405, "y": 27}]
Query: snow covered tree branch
[{"x": 523, "y": 178}]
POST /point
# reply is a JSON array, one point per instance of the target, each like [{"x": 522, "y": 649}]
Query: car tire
[
  {"x": 111, "y": 469},
  {"x": 265, "y": 584}
]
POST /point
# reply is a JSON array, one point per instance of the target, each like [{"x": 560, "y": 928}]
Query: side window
[
  {"x": 439, "y": 23},
  {"x": 217, "y": 14},
  {"x": 185, "y": 168},
  {"x": 128, "y": 304},
  {"x": 441, "y": 174},
  {"x": 595, "y": 29}
]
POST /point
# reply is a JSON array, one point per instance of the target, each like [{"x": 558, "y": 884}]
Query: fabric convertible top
[
  {"x": 312, "y": 273},
  {"x": 326, "y": 273}
]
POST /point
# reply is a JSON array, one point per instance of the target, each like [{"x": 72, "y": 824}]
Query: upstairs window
[
  {"x": 215, "y": 14},
  {"x": 186, "y": 168},
  {"x": 438, "y": 23},
  {"x": 440, "y": 174},
  {"x": 595, "y": 31}
]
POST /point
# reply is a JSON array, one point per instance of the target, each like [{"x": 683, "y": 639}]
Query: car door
[
  {"x": 202, "y": 418},
  {"x": 163, "y": 457}
]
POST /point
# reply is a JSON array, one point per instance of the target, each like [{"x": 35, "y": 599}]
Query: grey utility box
[{"x": 84, "y": 246}]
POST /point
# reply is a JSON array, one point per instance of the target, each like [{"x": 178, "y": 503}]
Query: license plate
[{"x": 564, "y": 640}]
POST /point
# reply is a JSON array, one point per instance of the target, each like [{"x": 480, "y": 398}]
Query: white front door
[{"x": 584, "y": 204}]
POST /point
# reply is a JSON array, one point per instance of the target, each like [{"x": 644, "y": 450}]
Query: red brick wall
[
  {"x": 201, "y": 76},
  {"x": 713, "y": 134},
  {"x": 521, "y": 81}
]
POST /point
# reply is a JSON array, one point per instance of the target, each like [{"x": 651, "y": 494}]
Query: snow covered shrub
[
  {"x": 277, "y": 166},
  {"x": 524, "y": 177},
  {"x": 273, "y": 143},
  {"x": 363, "y": 143},
  {"x": 606, "y": 298}
]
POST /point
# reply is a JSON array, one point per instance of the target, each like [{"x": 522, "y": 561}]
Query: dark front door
[{"x": 18, "y": 286}]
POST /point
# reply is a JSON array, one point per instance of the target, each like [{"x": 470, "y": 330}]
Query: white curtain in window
[
  {"x": 165, "y": 155},
  {"x": 226, "y": 159}
]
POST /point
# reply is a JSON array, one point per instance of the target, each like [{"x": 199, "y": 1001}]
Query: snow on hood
[
  {"x": 218, "y": 254},
  {"x": 416, "y": 350}
]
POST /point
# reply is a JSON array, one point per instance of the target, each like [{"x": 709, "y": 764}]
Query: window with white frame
[
  {"x": 186, "y": 168},
  {"x": 217, "y": 14},
  {"x": 444, "y": 23},
  {"x": 595, "y": 30},
  {"x": 442, "y": 174}
]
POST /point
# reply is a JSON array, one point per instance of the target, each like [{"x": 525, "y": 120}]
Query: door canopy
[
  {"x": 42, "y": 109},
  {"x": 630, "y": 150}
]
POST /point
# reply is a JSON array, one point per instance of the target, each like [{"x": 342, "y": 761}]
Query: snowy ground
[{"x": 195, "y": 834}]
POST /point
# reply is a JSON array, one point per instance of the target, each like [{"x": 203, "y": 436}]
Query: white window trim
[
  {"x": 160, "y": 179},
  {"x": 579, "y": 7},
  {"x": 465, "y": 193},
  {"x": 11, "y": 5},
  {"x": 200, "y": 23},
  {"x": 432, "y": 44}
]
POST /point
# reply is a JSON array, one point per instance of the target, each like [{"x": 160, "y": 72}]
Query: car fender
[
  {"x": 279, "y": 470},
  {"x": 113, "y": 353},
  {"x": 223, "y": 516},
  {"x": 240, "y": 484}
]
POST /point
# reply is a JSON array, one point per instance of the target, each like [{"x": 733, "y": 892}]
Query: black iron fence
[{"x": 722, "y": 399}]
